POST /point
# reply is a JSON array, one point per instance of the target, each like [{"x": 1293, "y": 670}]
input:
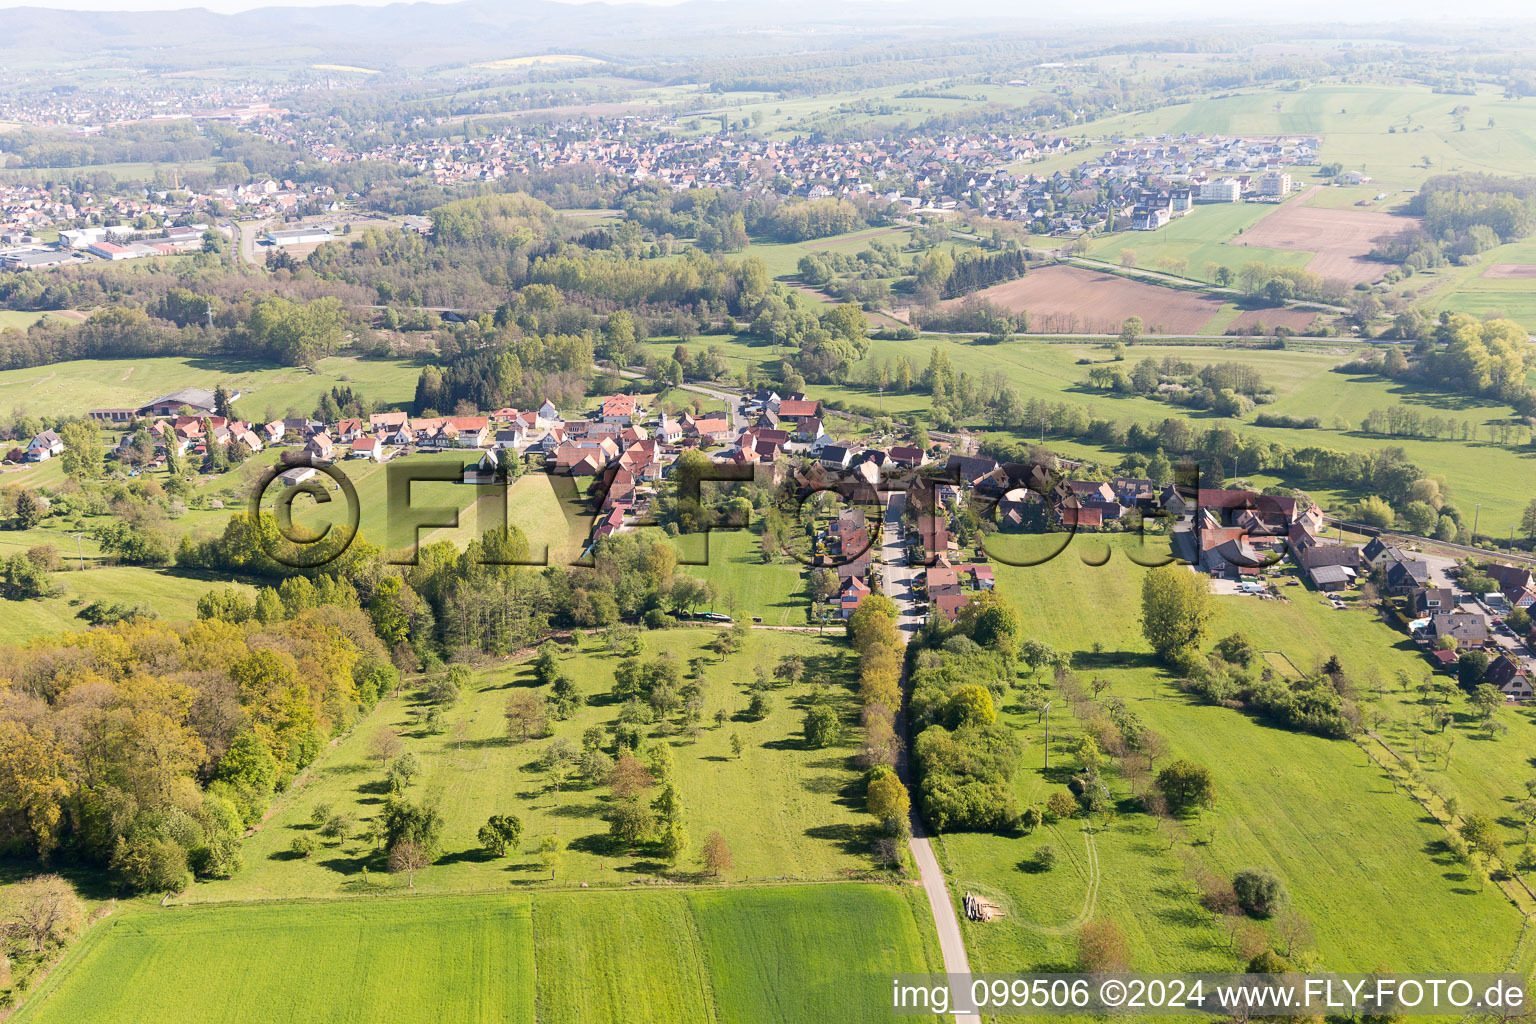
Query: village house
[
  {"x": 1516, "y": 583},
  {"x": 370, "y": 448},
  {"x": 623, "y": 409},
  {"x": 1510, "y": 678},
  {"x": 44, "y": 446}
]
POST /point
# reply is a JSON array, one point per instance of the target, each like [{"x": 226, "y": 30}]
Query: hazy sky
[
  {"x": 1296, "y": 10},
  {"x": 224, "y": 6}
]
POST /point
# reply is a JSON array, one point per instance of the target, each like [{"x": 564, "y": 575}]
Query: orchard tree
[
  {"x": 1175, "y": 609},
  {"x": 1186, "y": 786},
  {"x": 408, "y": 857},
  {"x": 500, "y": 834},
  {"x": 716, "y": 855}
]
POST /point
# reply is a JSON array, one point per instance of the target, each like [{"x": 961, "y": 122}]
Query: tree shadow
[
  {"x": 593, "y": 810},
  {"x": 849, "y": 838},
  {"x": 474, "y": 855}
]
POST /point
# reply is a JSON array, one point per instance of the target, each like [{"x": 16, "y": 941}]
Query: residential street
[{"x": 897, "y": 581}]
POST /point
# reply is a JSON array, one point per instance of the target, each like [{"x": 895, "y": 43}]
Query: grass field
[
  {"x": 21, "y": 320},
  {"x": 267, "y": 391},
  {"x": 1473, "y": 290},
  {"x": 787, "y": 955},
  {"x": 783, "y": 258},
  {"x": 732, "y": 560},
  {"x": 171, "y": 594},
  {"x": 545, "y": 508},
  {"x": 785, "y": 810},
  {"x": 1360, "y": 859}
]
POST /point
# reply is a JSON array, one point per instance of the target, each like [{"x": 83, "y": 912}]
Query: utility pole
[
  {"x": 1048, "y": 733},
  {"x": 1476, "y": 515},
  {"x": 80, "y": 550}
]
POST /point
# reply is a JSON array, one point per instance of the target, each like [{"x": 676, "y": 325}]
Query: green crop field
[
  {"x": 1360, "y": 858},
  {"x": 416, "y": 960},
  {"x": 267, "y": 391},
  {"x": 861, "y": 936},
  {"x": 784, "y": 809},
  {"x": 631, "y": 957},
  {"x": 783, "y": 955}
]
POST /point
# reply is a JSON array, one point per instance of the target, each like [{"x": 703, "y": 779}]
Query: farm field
[
  {"x": 73, "y": 387},
  {"x": 1341, "y": 238},
  {"x": 785, "y": 955},
  {"x": 1209, "y": 233},
  {"x": 1358, "y": 857},
  {"x": 785, "y": 810},
  {"x": 1071, "y": 300}
]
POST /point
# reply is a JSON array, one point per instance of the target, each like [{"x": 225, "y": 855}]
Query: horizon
[{"x": 1308, "y": 11}]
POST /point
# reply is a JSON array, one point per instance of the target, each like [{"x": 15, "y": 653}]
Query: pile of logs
[{"x": 978, "y": 909}]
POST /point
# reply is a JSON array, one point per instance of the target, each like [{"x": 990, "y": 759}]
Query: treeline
[
  {"x": 172, "y": 142},
  {"x": 1235, "y": 675},
  {"x": 521, "y": 372},
  {"x": 1464, "y": 215},
  {"x": 965, "y": 759},
  {"x": 975, "y": 269},
  {"x": 970, "y": 316},
  {"x": 1461, "y": 355},
  {"x": 1231, "y": 389},
  {"x": 1219, "y": 450}
]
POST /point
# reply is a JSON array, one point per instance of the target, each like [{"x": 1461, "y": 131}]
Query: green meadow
[
  {"x": 782, "y": 955},
  {"x": 1362, "y": 861},
  {"x": 267, "y": 391},
  {"x": 785, "y": 809},
  {"x": 732, "y": 560}
]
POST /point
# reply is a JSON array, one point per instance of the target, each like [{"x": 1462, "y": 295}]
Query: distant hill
[{"x": 415, "y": 35}]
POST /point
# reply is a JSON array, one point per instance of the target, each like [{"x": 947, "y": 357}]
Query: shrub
[{"x": 1060, "y": 805}]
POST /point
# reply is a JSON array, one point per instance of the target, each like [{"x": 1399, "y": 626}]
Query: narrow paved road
[{"x": 896, "y": 579}]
